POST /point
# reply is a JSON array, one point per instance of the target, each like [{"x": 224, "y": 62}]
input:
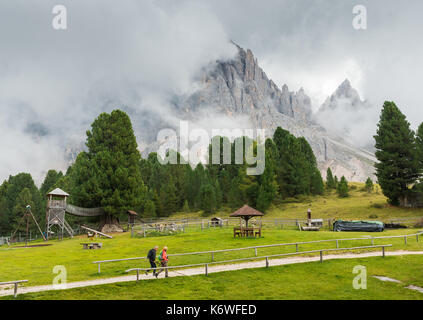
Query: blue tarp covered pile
[{"x": 368, "y": 226}]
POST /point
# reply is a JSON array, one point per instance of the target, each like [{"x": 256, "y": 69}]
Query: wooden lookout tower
[{"x": 55, "y": 215}]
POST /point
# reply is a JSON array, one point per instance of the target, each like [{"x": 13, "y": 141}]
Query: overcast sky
[{"x": 53, "y": 83}]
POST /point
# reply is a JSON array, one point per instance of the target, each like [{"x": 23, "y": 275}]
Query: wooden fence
[
  {"x": 266, "y": 258},
  {"x": 15, "y": 283},
  {"x": 256, "y": 248}
]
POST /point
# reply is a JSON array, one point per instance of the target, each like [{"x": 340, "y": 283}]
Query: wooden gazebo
[{"x": 246, "y": 213}]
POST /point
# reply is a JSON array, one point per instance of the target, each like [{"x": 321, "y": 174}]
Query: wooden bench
[{"x": 92, "y": 245}]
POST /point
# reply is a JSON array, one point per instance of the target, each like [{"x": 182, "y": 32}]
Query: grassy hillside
[
  {"x": 359, "y": 205},
  {"x": 314, "y": 280}
]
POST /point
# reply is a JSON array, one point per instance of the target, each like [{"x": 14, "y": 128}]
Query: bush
[
  {"x": 342, "y": 188},
  {"x": 419, "y": 224}
]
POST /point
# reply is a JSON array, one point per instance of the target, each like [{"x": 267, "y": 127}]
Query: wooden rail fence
[
  {"x": 266, "y": 258},
  {"x": 255, "y": 248},
  {"x": 15, "y": 290}
]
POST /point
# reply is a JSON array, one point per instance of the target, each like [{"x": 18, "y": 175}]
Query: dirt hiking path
[{"x": 211, "y": 269}]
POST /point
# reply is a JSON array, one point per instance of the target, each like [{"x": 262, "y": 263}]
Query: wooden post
[
  {"x": 15, "y": 291},
  {"x": 405, "y": 240},
  {"x": 207, "y": 269},
  {"x": 255, "y": 251},
  {"x": 321, "y": 256},
  {"x": 132, "y": 231},
  {"x": 267, "y": 262},
  {"x": 138, "y": 274},
  {"x": 212, "y": 256},
  {"x": 144, "y": 232},
  {"x": 296, "y": 247},
  {"x": 383, "y": 252},
  {"x": 417, "y": 237},
  {"x": 337, "y": 244},
  {"x": 99, "y": 268}
]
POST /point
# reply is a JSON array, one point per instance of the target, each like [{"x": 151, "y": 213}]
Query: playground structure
[
  {"x": 57, "y": 207},
  {"x": 27, "y": 215}
]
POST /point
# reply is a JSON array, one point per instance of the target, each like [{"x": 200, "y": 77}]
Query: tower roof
[
  {"x": 246, "y": 211},
  {"x": 58, "y": 192}
]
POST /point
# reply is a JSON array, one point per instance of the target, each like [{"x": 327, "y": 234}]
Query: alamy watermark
[
  {"x": 60, "y": 19},
  {"x": 60, "y": 281},
  {"x": 359, "y": 21},
  {"x": 193, "y": 146},
  {"x": 360, "y": 281}
]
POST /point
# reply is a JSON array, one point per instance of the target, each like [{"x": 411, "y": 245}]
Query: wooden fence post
[
  {"x": 337, "y": 244},
  {"x": 383, "y": 252},
  {"x": 267, "y": 262},
  {"x": 255, "y": 251},
  {"x": 212, "y": 256},
  {"x": 321, "y": 256},
  {"x": 99, "y": 268},
  {"x": 417, "y": 237},
  {"x": 405, "y": 240},
  {"x": 207, "y": 269},
  {"x": 296, "y": 247},
  {"x": 15, "y": 291},
  {"x": 138, "y": 274}
]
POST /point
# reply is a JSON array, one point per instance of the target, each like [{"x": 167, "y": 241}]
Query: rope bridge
[{"x": 84, "y": 212}]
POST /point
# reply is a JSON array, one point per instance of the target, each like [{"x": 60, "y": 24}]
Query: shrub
[{"x": 419, "y": 224}]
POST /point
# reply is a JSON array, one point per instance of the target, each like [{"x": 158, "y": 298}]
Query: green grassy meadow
[
  {"x": 36, "y": 264},
  {"x": 314, "y": 280}
]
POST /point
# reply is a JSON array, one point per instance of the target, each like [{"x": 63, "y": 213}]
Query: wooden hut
[{"x": 216, "y": 222}]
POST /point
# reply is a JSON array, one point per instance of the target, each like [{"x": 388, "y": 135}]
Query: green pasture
[{"x": 328, "y": 280}]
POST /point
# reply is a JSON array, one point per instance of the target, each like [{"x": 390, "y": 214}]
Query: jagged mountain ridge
[{"x": 241, "y": 87}]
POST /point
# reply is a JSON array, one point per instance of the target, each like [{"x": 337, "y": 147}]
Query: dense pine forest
[{"x": 112, "y": 174}]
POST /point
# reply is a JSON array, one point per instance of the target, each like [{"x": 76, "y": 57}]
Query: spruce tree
[
  {"x": 369, "y": 185},
  {"x": 108, "y": 175},
  {"x": 317, "y": 185},
  {"x": 207, "y": 199},
  {"x": 419, "y": 148},
  {"x": 342, "y": 188},
  {"x": 50, "y": 181},
  {"x": 397, "y": 165},
  {"x": 330, "y": 181}
]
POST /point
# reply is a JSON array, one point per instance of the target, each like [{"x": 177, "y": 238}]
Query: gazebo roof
[
  {"x": 58, "y": 192},
  {"x": 246, "y": 211},
  {"x": 132, "y": 213}
]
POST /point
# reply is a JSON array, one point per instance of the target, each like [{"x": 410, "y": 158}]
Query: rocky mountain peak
[
  {"x": 239, "y": 88},
  {"x": 344, "y": 96}
]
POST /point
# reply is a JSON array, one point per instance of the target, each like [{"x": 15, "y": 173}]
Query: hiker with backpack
[
  {"x": 163, "y": 261},
  {"x": 151, "y": 256}
]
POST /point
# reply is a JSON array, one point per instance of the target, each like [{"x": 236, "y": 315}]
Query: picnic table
[
  {"x": 92, "y": 245},
  {"x": 247, "y": 232}
]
